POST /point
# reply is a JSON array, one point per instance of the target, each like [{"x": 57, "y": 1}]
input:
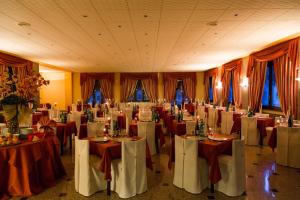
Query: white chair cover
[
  {"x": 212, "y": 117},
  {"x": 190, "y": 171},
  {"x": 54, "y": 114},
  {"x": 88, "y": 178},
  {"x": 76, "y": 117},
  {"x": 190, "y": 127},
  {"x": 249, "y": 130},
  {"x": 288, "y": 146},
  {"x": 129, "y": 175},
  {"x": 95, "y": 127},
  {"x": 147, "y": 130},
  {"x": 226, "y": 122},
  {"x": 128, "y": 113},
  {"x": 201, "y": 112},
  {"x": 233, "y": 172}
]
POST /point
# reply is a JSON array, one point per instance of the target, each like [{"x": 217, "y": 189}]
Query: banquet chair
[
  {"x": 288, "y": 146},
  {"x": 129, "y": 175},
  {"x": 212, "y": 117},
  {"x": 249, "y": 130},
  {"x": 233, "y": 182},
  {"x": 88, "y": 178},
  {"x": 190, "y": 171},
  {"x": 147, "y": 130},
  {"x": 226, "y": 122},
  {"x": 94, "y": 127},
  {"x": 190, "y": 127}
]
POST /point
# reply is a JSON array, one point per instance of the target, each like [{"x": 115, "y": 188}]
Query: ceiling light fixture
[
  {"x": 236, "y": 14},
  {"x": 99, "y": 34},
  {"x": 145, "y": 16},
  {"x": 23, "y": 24},
  {"x": 120, "y": 26},
  {"x": 212, "y": 23},
  {"x": 146, "y": 33},
  {"x": 84, "y": 16}
]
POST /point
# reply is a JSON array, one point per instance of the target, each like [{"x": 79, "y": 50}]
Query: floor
[{"x": 265, "y": 180}]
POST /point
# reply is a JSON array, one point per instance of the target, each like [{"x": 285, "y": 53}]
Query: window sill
[{"x": 272, "y": 112}]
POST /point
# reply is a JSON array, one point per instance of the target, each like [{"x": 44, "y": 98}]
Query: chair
[
  {"x": 147, "y": 130},
  {"x": 249, "y": 130},
  {"x": 212, "y": 117},
  {"x": 288, "y": 146},
  {"x": 190, "y": 171},
  {"x": 129, "y": 173},
  {"x": 233, "y": 182},
  {"x": 226, "y": 122},
  {"x": 190, "y": 127},
  {"x": 88, "y": 178},
  {"x": 94, "y": 127},
  {"x": 76, "y": 117}
]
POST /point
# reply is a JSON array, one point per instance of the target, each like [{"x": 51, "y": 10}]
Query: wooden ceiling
[{"x": 143, "y": 35}]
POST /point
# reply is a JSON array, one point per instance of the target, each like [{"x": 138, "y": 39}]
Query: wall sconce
[
  {"x": 244, "y": 83},
  {"x": 219, "y": 85}
]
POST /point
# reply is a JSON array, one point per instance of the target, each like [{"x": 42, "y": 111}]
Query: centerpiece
[{"x": 16, "y": 96}]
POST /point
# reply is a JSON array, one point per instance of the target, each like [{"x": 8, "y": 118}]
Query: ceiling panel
[{"x": 143, "y": 35}]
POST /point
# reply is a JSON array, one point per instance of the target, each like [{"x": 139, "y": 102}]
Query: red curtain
[
  {"x": 149, "y": 83},
  {"x": 207, "y": 74},
  {"x": 20, "y": 66},
  {"x": 170, "y": 84},
  {"x": 232, "y": 68},
  {"x": 87, "y": 82},
  {"x": 285, "y": 56}
]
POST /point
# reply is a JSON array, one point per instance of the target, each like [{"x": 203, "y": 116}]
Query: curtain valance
[
  {"x": 96, "y": 76},
  {"x": 138, "y": 76}
]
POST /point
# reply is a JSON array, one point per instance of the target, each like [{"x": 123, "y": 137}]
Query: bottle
[
  {"x": 197, "y": 128},
  {"x": 201, "y": 128},
  {"x": 290, "y": 119}
]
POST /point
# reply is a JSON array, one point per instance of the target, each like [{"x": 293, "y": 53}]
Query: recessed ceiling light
[
  {"x": 146, "y": 45},
  {"x": 216, "y": 33},
  {"x": 236, "y": 14},
  {"x": 99, "y": 34},
  {"x": 145, "y": 16},
  {"x": 203, "y": 44},
  {"x": 23, "y": 24},
  {"x": 120, "y": 26},
  {"x": 129, "y": 49},
  {"x": 212, "y": 23},
  {"x": 146, "y": 33},
  {"x": 85, "y": 16},
  {"x": 28, "y": 33}
]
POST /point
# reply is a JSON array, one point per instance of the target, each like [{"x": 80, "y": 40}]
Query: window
[
  {"x": 270, "y": 97},
  {"x": 210, "y": 90},
  {"x": 96, "y": 97},
  {"x": 179, "y": 94},
  {"x": 139, "y": 94},
  {"x": 230, "y": 96}
]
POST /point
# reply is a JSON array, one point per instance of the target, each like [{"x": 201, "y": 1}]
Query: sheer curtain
[
  {"x": 150, "y": 88},
  {"x": 87, "y": 89},
  {"x": 188, "y": 88},
  {"x": 170, "y": 89},
  {"x": 106, "y": 88},
  {"x": 128, "y": 88}
]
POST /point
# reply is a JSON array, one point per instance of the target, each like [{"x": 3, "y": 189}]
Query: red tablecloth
[
  {"x": 210, "y": 150},
  {"x": 159, "y": 135},
  {"x": 168, "y": 121},
  {"x": 121, "y": 121},
  {"x": 66, "y": 130},
  {"x": 36, "y": 117},
  {"x": 30, "y": 167},
  {"x": 178, "y": 128},
  {"x": 190, "y": 108},
  {"x": 112, "y": 150}
]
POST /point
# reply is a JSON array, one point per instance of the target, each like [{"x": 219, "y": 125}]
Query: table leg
[
  {"x": 108, "y": 188},
  {"x": 212, "y": 188}
]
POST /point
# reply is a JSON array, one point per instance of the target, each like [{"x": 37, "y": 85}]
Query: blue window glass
[
  {"x": 179, "y": 94},
  {"x": 96, "y": 97},
  {"x": 270, "y": 98},
  {"x": 230, "y": 96},
  {"x": 210, "y": 90},
  {"x": 139, "y": 94}
]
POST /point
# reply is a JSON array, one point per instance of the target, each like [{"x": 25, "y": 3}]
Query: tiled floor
[{"x": 265, "y": 180}]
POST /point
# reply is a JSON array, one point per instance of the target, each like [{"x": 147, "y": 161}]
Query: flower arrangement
[{"x": 15, "y": 91}]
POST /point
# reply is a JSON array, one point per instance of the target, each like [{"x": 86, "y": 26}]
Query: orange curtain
[
  {"x": 285, "y": 56},
  {"x": 170, "y": 89},
  {"x": 87, "y": 89},
  {"x": 106, "y": 88},
  {"x": 232, "y": 68},
  {"x": 150, "y": 87},
  {"x": 256, "y": 85},
  {"x": 128, "y": 87},
  {"x": 189, "y": 88},
  {"x": 211, "y": 73}
]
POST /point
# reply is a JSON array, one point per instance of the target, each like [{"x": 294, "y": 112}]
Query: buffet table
[{"x": 30, "y": 167}]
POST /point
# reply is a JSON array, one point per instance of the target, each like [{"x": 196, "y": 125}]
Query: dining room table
[
  {"x": 159, "y": 135},
  {"x": 30, "y": 167},
  {"x": 168, "y": 120},
  {"x": 178, "y": 128},
  {"x": 111, "y": 150},
  {"x": 210, "y": 150}
]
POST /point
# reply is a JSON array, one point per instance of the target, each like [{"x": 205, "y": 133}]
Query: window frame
[
  {"x": 210, "y": 88},
  {"x": 231, "y": 84},
  {"x": 139, "y": 85}
]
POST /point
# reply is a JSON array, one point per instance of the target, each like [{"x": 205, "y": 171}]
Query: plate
[
  {"x": 217, "y": 138},
  {"x": 125, "y": 139},
  {"x": 100, "y": 139},
  {"x": 193, "y": 137}
]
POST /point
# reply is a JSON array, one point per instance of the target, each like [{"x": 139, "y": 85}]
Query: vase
[{"x": 11, "y": 116}]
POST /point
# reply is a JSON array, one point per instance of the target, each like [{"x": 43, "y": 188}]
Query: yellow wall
[
  {"x": 59, "y": 90},
  {"x": 76, "y": 89},
  {"x": 160, "y": 86},
  {"x": 200, "y": 90},
  {"x": 117, "y": 88}
]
